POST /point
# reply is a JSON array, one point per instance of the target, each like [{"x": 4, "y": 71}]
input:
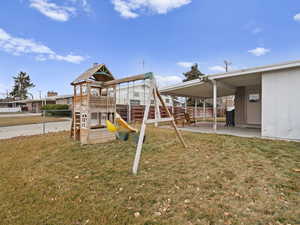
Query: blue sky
[{"x": 56, "y": 40}]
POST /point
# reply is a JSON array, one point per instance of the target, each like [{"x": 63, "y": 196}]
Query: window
[
  {"x": 84, "y": 120},
  {"x": 254, "y": 97},
  {"x": 69, "y": 101},
  {"x": 136, "y": 94},
  {"x": 167, "y": 100},
  {"x": 84, "y": 89},
  {"x": 77, "y": 89},
  {"x": 135, "y": 102},
  {"x": 95, "y": 91}
]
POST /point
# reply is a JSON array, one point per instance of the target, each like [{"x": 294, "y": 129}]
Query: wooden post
[
  {"x": 128, "y": 103},
  {"x": 115, "y": 104},
  {"x": 170, "y": 115},
  {"x": 74, "y": 114},
  {"x": 215, "y": 105},
  {"x": 156, "y": 108},
  {"x": 142, "y": 134}
]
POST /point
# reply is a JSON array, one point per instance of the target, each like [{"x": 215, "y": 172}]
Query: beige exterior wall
[{"x": 248, "y": 113}]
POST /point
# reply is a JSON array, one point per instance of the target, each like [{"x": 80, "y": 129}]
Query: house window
[
  {"x": 135, "y": 102},
  {"x": 84, "y": 120},
  {"x": 254, "y": 97},
  {"x": 136, "y": 94},
  {"x": 167, "y": 100}
]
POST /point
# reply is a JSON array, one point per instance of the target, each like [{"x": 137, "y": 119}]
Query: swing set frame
[{"x": 82, "y": 108}]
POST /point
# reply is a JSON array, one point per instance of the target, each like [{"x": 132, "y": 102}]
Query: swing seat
[{"x": 123, "y": 136}]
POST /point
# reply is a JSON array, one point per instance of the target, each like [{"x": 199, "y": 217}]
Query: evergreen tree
[
  {"x": 193, "y": 74},
  {"x": 21, "y": 86}
]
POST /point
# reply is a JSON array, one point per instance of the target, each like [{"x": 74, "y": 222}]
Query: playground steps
[{"x": 75, "y": 126}]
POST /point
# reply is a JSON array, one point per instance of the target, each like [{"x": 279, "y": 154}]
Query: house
[
  {"x": 35, "y": 105},
  {"x": 266, "y": 97},
  {"x": 136, "y": 94}
]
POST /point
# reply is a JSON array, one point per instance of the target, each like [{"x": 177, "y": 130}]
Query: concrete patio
[{"x": 207, "y": 127}]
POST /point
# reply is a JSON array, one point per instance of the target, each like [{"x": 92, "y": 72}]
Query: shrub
[{"x": 57, "y": 110}]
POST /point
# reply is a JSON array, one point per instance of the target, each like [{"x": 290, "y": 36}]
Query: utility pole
[
  {"x": 143, "y": 65},
  {"x": 227, "y": 65}
]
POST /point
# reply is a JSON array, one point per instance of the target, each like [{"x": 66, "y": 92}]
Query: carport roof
[{"x": 227, "y": 82}]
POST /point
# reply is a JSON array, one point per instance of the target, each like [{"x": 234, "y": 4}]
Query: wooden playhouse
[{"x": 93, "y": 104}]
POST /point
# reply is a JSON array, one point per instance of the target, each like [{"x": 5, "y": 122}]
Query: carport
[{"x": 253, "y": 96}]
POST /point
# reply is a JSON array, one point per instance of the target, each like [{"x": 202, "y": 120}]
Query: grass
[
  {"x": 51, "y": 180},
  {"x": 20, "y": 120}
]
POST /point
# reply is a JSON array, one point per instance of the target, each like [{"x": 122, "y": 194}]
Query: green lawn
[{"x": 51, "y": 180}]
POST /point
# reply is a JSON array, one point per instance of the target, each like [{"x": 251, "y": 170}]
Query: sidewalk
[{"x": 33, "y": 129}]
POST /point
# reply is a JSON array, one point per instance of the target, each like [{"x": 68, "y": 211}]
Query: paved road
[{"x": 33, "y": 129}]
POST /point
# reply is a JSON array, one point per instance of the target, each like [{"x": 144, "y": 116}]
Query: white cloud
[
  {"x": 52, "y": 10},
  {"x": 259, "y": 51},
  {"x": 82, "y": 3},
  {"x": 185, "y": 64},
  {"x": 217, "y": 68},
  {"x": 132, "y": 8},
  {"x": 19, "y": 46},
  {"x": 168, "y": 80},
  {"x": 297, "y": 17}
]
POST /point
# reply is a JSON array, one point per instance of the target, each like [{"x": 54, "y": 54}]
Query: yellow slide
[
  {"x": 111, "y": 127},
  {"x": 122, "y": 123}
]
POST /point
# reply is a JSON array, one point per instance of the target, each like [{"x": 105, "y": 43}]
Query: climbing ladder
[{"x": 75, "y": 126}]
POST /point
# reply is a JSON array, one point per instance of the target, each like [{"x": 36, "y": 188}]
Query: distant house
[
  {"x": 35, "y": 105},
  {"x": 136, "y": 94}
]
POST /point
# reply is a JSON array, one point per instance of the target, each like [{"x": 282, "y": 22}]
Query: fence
[
  {"x": 136, "y": 112},
  {"x": 55, "y": 113},
  {"x": 10, "y": 110}
]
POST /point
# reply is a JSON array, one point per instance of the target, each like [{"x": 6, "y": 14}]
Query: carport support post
[{"x": 215, "y": 104}]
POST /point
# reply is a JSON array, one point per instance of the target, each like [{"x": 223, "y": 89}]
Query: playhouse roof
[{"x": 98, "y": 72}]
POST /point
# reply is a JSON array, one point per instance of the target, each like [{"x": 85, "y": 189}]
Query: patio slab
[{"x": 207, "y": 127}]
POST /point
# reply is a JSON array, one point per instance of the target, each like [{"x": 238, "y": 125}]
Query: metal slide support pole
[{"x": 215, "y": 104}]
